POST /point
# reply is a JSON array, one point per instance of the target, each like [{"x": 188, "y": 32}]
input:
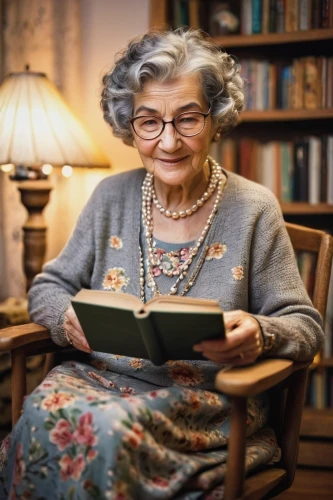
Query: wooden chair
[{"x": 284, "y": 378}]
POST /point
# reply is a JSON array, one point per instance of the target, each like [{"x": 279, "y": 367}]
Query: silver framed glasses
[{"x": 187, "y": 124}]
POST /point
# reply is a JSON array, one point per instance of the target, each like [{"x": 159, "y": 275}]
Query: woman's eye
[
  {"x": 188, "y": 120},
  {"x": 149, "y": 123}
]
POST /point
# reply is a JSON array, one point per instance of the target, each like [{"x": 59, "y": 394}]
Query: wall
[{"x": 106, "y": 26}]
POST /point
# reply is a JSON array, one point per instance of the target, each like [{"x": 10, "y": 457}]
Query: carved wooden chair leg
[
  {"x": 234, "y": 480},
  {"x": 19, "y": 382}
]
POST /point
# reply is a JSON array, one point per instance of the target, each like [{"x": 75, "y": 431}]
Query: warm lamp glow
[
  {"x": 37, "y": 126},
  {"x": 47, "y": 168},
  {"x": 8, "y": 167},
  {"x": 66, "y": 170},
  {"x": 38, "y": 130}
]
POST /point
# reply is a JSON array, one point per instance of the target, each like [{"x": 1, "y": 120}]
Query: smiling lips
[{"x": 171, "y": 161}]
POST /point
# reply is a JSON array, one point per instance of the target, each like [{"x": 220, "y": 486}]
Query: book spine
[
  {"x": 314, "y": 170},
  {"x": 280, "y": 16},
  {"x": 194, "y": 13},
  {"x": 150, "y": 337},
  {"x": 311, "y": 77},
  {"x": 265, "y": 16},
  {"x": 330, "y": 169},
  {"x": 272, "y": 16},
  {"x": 291, "y": 15},
  {"x": 315, "y": 14},
  {"x": 325, "y": 14},
  {"x": 304, "y": 15},
  {"x": 324, "y": 82},
  {"x": 184, "y": 13},
  {"x": 286, "y": 173},
  {"x": 246, "y": 17},
  {"x": 256, "y": 16},
  {"x": 323, "y": 170},
  {"x": 301, "y": 171}
]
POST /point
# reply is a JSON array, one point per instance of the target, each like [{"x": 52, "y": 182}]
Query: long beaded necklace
[
  {"x": 218, "y": 180},
  {"x": 213, "y": 180}
]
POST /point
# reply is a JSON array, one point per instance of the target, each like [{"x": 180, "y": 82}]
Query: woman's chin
[{"x": 173, "y": 173}]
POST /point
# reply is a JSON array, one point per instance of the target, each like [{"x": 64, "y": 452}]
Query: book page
[
  {"x": 185, "y": 304},
  {"x": 108, "y": 298}
]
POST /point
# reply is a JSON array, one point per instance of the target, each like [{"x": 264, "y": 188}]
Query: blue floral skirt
[{"x": 88, "y": 432}]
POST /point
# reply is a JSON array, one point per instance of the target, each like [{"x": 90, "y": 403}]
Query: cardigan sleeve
[
  {"x": 278, "y": 299},
  {"x": 61, "y": 278}
]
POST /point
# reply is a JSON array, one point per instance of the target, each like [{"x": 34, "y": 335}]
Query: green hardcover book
[{"x": 166, "y": 328}]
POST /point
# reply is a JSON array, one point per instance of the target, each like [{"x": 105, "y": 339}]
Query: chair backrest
[{"x": 320, "y": 243}]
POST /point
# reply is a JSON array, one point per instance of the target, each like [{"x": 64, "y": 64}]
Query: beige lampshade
[{"x": 37, "y": 126}]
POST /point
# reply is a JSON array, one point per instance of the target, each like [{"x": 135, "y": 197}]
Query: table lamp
[{"x": 38, "y": 131}]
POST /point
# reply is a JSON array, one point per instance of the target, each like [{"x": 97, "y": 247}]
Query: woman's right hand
[{"x": 74, "y": 332}]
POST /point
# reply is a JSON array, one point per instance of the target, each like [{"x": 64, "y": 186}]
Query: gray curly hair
[{"x": 160, "y": 56}]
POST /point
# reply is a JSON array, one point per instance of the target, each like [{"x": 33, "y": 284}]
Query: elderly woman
[{"x": 110, "y": 426}]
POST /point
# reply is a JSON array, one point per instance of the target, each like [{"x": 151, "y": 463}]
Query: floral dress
[{"x": 113, "y": 427}]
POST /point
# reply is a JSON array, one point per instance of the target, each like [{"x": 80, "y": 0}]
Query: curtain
[{"x": 45, "y": 34}]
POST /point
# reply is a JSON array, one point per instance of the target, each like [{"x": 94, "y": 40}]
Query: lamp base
[{"x": 34, "y": 196}]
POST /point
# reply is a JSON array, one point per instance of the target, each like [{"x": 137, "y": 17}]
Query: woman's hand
[
  {"x": 242, "y": 345},
  {"x": 74, "y": 332}
]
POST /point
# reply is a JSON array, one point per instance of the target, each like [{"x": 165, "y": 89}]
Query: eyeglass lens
[{"x": 187, "y": 124}]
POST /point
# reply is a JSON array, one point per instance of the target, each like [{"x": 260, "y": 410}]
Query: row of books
[
  {"x": 299, "y": 170},
  {"x": 320, "y": 389},
  {"x": 249, "y": 17},
  {"x": 305, "y": 83},
  {"x": 283, "y": 16}
]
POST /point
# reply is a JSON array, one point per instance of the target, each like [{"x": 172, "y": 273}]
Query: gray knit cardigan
[{"x": 257, "y": 271}]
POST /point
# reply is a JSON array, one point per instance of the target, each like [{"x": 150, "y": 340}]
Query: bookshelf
[{"x": 305, "y": 31}]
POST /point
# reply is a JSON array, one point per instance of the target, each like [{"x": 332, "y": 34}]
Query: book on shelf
[
  {"x": 304, "y": 21},
  {"x": 303, "y": 83},
  {"x": 291, "y": 15},
  {"x": 165, "y": 328},
  {"x": 253, "y": 16},
  {"x": 298, "y": 170},
  {"x": 285, "y": 16}
]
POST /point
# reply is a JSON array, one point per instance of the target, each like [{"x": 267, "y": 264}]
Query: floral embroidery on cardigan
[
  {"x": 169, "y": 261},
  {"x": 216, "y": 251},
  {"x": 115, "y": 279},
  {"x": 238, "y": 273},
  {"x": 116, "y": 242}
]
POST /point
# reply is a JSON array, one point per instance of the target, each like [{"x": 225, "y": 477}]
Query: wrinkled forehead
[{"x": 176, "y": 94}]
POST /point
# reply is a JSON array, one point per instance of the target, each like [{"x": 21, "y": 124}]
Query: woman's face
[{"x": 171, "y": 157}]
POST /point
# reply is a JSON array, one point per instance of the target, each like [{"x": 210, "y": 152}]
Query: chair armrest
[
  {"x": 250, "y": 380},
  {"x": 20, "y": 335}
]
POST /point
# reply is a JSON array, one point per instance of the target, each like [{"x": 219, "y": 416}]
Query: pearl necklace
[
  {"x": 147, "y": 218},
  {"x": 213, "y": 180}
]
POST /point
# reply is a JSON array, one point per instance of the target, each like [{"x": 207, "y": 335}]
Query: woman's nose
[{"x": 170, "y": 139}]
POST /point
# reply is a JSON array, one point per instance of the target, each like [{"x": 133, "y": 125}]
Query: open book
[{"x": 165, "y": 328}]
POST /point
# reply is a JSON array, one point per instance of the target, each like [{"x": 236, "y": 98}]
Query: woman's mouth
[{"x": 171, "y": 161}]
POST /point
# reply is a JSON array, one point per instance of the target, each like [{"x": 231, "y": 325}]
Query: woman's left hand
[{"x": 242, "y": 345}]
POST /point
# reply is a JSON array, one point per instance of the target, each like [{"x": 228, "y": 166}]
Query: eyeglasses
[{"x": 187, "y": 124}]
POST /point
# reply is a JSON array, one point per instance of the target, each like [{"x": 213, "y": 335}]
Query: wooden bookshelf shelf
[
  {"x": 274, "y": 115},
  {"x": 273, "y": 38},
  {"x": 306, "y": 209}
]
